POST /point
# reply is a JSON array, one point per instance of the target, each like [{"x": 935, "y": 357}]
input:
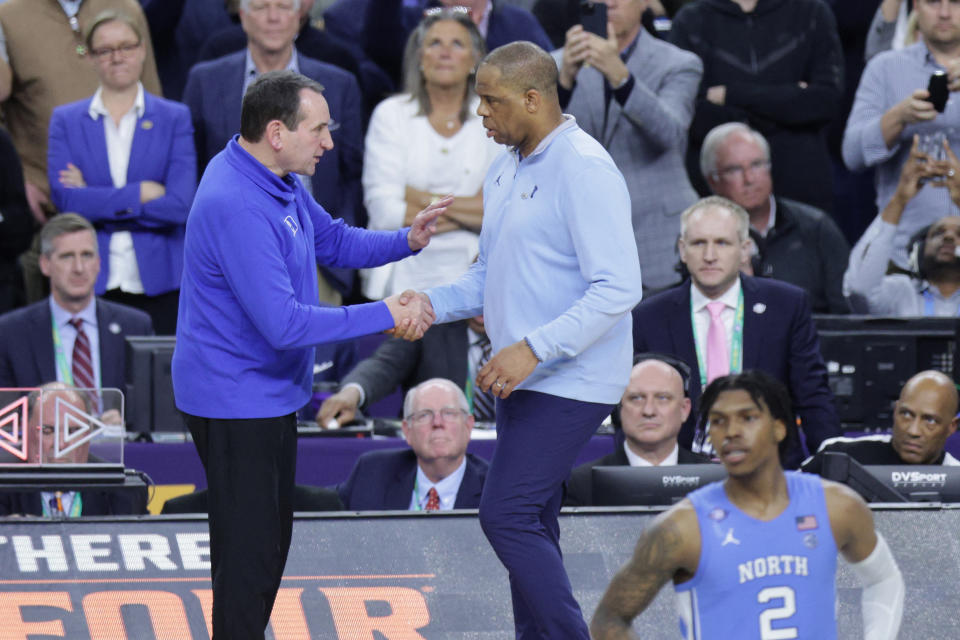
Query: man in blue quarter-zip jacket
[
  {"x": 249, "y": 317},
  {"x": 556, "y": 278}
]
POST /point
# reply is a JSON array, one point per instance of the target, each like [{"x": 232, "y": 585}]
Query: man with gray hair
[
  {"x": 72, "y": 336},
  {"x": 792, "y": 241},
  {"x": 436, "y": 473},
  {"x": 721, "y": 322}
]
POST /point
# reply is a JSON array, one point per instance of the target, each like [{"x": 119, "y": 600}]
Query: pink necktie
[{"x": 718, "y": 362}]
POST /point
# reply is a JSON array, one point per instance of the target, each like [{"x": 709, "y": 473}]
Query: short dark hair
[
  {"x": 62, "y": 224},
  {"x": 766, "y": 392},
  {"x": 275, "y": 95},
  {"x": 524, "y": 66},
  {"x": 111, "y": 15}
]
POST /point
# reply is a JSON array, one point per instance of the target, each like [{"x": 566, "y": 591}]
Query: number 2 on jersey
[{"x": 787, "y": 609}]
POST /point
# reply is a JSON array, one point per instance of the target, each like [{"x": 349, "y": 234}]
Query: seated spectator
[
  {"x": 16, "y": 225},
  {"x": 923, "y": 418},
  {"x": 635, "y": 94},
  {"x": 932, "y": 287},
  {"x": 436, "y": 472},
  {"x": 72, "y": 337},
  {"x": 776, "y": 65},
  {"x": 794, "y": 242},
  {"x": 429, "y": 141},
  {"x": 59, "y": 400},
  {"x": 720, "y": 321},
  {"x": 653, "y": 408},
  {"x": 455, "y": 351},
  {"x": 892, "y": 106},
  {"x": 215, "y": 90},
  {"x": 124, "y": 159},
  {"x": 305, "y": 498},
  {"x": 387, "y": 24}
]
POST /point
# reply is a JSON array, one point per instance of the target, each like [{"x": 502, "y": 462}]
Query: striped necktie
[
  {"x": 484, "y": 407},
  {"x": 82, "y": 364}
]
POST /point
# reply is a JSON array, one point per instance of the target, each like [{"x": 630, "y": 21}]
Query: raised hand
[
  {"x": 576, "y": 47},
  {"x": 506, "y": 369},
  {"x": 425, "y": 224},
  {"x": 412, "y": 314}
]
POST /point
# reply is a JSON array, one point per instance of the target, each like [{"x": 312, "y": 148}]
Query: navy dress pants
[{"x": 538, "y": 439}]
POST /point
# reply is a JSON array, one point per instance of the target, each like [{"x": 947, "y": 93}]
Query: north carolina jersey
[{"x": 765, "y": 580}]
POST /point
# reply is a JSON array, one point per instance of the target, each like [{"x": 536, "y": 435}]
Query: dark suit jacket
[
  {"x": 26, "y": 343},
  {"x": 580, "y": 485},
  {"x": 779, "y": 337},
  {"x": 162, "y": 151},
  {"x": 305, "y": 498},
  {"x": 214, "y": 95},
  {"x": 95, "y": 502},
  {"x": 383, "y": 480},
  {"x": 442, "y": 353}
]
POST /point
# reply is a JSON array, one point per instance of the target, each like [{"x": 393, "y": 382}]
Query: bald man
[
  {"x": 555, "y": 280},
  {"x": 923, "y": 418},
  {"x": 654, "y": 406}
]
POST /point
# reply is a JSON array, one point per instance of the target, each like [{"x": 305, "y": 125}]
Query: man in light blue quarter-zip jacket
[{"x": 556, "y": 279}]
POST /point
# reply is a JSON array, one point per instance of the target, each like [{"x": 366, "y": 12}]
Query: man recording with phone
[
  {"x": 635, "y": 95},
  {"x": 901, "y": 95},
  {"x": 932, "y": 286}
]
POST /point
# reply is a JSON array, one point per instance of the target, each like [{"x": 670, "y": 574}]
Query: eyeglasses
[
  {"x": 732, "y": 174},
  {"x": 426, "y": 416},
  {"x": 332, "y": 125},
  {"x": 106, "y": 53},
  {"x": 439, "y": 11}
]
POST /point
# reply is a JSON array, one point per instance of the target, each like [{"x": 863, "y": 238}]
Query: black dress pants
[{"x": 250, "y": 466}]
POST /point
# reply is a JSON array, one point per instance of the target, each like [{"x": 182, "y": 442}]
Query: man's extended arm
[{"x": 671, "y": 544}]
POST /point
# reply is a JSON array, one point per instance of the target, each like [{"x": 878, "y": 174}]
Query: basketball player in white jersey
[{"x": 755, "y": 556}]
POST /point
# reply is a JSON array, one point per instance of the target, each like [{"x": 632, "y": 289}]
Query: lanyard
[
  {"x": 928, "y": 301},
  {"x": 416, "y": 493},
  {"x": 66, "y": 371},
  {"x": 76, "y": 506},
  {"x": 736, "y": 344}
]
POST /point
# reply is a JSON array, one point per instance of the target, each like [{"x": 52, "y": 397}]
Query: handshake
[{"x": 412, "y": 314}]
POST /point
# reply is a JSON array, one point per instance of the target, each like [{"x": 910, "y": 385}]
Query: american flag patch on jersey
[{"x": 805, "y": 523}]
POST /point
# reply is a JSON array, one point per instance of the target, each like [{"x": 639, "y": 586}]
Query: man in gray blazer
[{"x": 635, "y": 94}]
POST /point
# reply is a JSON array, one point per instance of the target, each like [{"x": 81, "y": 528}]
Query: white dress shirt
[
  {"x": 701, "y": 315},
  {"x": 636, "y": 461},
  {"x": 124, "y": 271},
  {"x": 446, "y": 489}
]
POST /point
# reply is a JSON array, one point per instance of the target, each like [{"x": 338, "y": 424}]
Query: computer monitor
[
  {"x": 869, "y": 359},
  {"x": 149, "y": 394},
  {"x": 920, "y": 482},
  {"x": 647, "y": 486},
  {"x": 894, "y": 482}
]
